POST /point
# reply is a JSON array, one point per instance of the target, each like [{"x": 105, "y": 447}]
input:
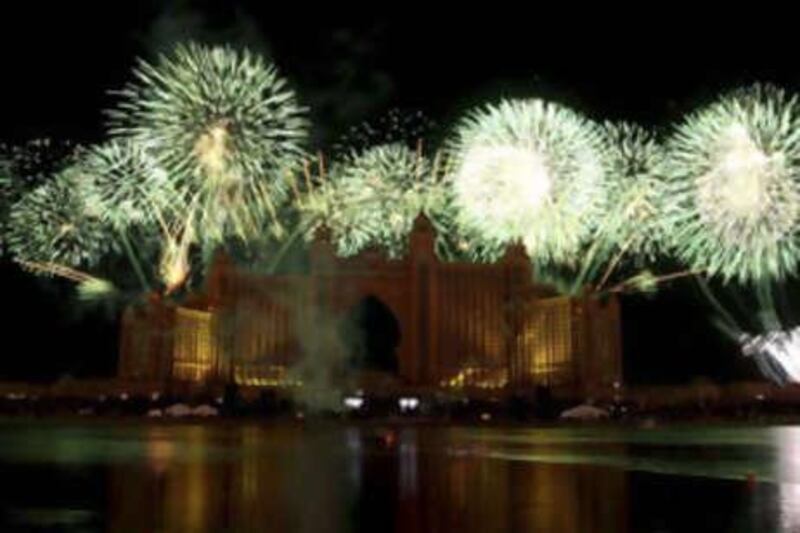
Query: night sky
[{"x": 60, "y": 60}]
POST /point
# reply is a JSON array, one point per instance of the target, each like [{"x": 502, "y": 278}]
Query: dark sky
[{"x": 60, "y": 59}]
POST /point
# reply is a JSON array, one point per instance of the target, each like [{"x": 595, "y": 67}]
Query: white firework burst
[
  {"x": 776, "y": 352},
  {"x": 735, "y": 181},
  {"x": 529, "y": 170}
]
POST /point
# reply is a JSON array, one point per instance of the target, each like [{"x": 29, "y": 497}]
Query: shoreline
[
  {"x": 747, "y": 402},
  {"x": 379, "y": 423}
]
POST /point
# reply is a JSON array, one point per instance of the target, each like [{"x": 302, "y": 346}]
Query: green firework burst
[
  {"x": 372, "y": 198},
  {"x": 131, "y": 188},
  {"x": 215, "y": 117},
  {"x": 59, "y": 222},
  {"x": 634, "y": 223}
]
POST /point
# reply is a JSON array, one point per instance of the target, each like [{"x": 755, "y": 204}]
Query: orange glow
[
  {"x": 196, "y": 354},
  {"x": 545, "y": 349},
  {"x": 264, "y": 376},
  {"x": 477, "y": 377}
]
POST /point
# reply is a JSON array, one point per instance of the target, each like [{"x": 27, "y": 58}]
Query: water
[{"x": 130, "y": 476}]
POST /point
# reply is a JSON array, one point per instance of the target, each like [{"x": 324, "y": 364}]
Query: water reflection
[
  {"x": 237, "y": 477},
  {"x": 788, "y": 466},
  {"x": 313, "y": 480},
  {"x": 203, "y": 479}
]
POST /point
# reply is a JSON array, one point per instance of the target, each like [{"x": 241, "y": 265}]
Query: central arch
[{"x": 371, "y": 334}]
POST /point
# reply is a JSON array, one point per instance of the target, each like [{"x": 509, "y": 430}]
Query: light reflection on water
[
  {"x": 788, "y": 464},
  {"x": 337, "y": 477}
]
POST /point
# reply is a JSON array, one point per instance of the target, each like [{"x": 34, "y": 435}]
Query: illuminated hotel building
[{"x": 462, "y": 325}]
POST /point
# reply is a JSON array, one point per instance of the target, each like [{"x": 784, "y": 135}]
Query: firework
[
  {"x": 6, "y": 184},
  {"x": 215, "y": 118},
  {"x": 96, "y": 290},
  {"x": 25, "y": 166},
  {"x": 734, "y": 177},
  {"x": 241, "y": 213},
  {"x": 457, "y": 242},
  {"x": 395, "y": 127},
  {"x": 5, "y": 172},
  {"x": 32, "y": 163},
  {"x": 372, "y": 199},
  {"x": 174, "y": 268},
  {"x": 58, "y": 222},
  {"x": 633, "y": 224},
  {"x": 130, "y": 186},
  {"x": 532, "y": 171},
  {"x": 776, "y": 352}
]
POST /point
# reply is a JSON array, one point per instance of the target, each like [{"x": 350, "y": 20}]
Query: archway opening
[{"x": 371, "y": 334}]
